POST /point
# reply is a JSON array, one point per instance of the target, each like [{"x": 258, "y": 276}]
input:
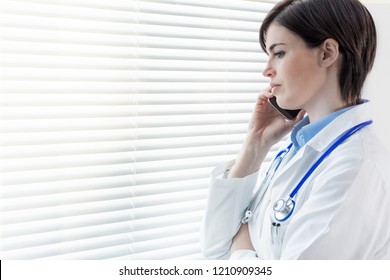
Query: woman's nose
[{"x": 268, "y": 71}]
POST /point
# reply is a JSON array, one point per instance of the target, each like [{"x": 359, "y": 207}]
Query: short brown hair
[{"x": 346, "y": 21}]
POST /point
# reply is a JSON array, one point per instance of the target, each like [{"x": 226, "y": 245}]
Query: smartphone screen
[{"x": 288, "y": 114}]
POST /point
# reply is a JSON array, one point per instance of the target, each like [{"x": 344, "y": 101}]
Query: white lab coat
[{"x": 342, "y": 211}]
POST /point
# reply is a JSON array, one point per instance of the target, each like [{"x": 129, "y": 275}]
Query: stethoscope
[{"x": 284, "y": 208}]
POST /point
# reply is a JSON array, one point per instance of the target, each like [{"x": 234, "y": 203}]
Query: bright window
[{"x": 113, "y": 114}]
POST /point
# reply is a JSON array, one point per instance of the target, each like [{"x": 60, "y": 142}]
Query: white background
[{"x": 376, "y": 88}]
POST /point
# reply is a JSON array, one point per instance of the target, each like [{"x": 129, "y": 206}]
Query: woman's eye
[{"x": 279, "y": 54}]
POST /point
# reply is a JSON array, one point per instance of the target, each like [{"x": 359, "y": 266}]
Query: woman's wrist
[
  {"x": 250, "y": 157},
  {"x": 242, "y": 240}
]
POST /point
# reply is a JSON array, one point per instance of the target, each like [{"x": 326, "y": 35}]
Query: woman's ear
[{"x": 329, "y": 52}]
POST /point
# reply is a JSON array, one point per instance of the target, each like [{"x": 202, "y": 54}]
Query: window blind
[{"x": 113, "y": 114}]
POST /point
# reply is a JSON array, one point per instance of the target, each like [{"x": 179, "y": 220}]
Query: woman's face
[{"x": 297, "y": 78}]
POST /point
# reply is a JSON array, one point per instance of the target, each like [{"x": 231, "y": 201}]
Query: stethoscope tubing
[{"x": 332, "y": 146}]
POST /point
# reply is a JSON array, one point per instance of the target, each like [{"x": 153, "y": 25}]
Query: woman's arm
[
  {"x": 229, "y": 197},
  {"x": 242, "y": 241},
  {"x": 267, "y": 128}
]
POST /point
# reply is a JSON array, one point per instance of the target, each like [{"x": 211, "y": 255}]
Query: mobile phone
[{"x": 288, "y": 114}]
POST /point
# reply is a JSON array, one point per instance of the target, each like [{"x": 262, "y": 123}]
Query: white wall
[{"x": 377, "y": 87}]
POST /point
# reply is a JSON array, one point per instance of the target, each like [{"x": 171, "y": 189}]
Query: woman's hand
[
  {"x": 242, "y": 239},
  {"x": 267, "y": 125},
  {"x": 266, "y": 128}
]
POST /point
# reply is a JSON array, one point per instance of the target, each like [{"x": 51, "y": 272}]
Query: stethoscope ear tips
[{"x": 283, "y": 209}]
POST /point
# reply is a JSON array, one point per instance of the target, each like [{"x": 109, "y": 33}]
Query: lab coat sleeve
[
  {"x": 226, "y": 204},
  {"x": 244, "y": 254}
]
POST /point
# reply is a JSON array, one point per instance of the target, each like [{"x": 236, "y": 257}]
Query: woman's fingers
[{"x": 264, "y": 96}]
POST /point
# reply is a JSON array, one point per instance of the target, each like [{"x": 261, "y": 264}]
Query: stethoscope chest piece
[{"x": 283, "y": 209}]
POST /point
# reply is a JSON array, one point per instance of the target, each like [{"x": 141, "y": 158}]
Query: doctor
[{"x": 327, "y": 196}]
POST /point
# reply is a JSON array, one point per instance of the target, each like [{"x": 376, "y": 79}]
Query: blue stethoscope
[{"x": 283, "y": 208}]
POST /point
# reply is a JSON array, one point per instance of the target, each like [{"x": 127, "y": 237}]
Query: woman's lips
[{"x": 273, "y": 88}]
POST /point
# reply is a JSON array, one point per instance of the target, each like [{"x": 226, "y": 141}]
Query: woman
[{"x": 320, "y": 52}]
